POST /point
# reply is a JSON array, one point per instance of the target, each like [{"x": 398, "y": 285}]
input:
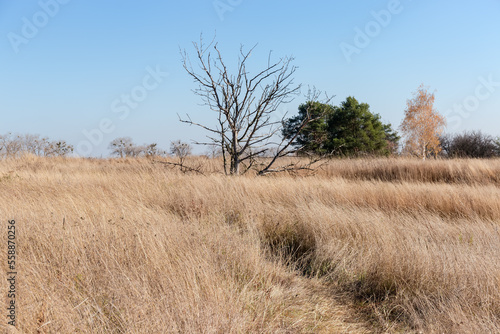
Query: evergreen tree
[
  {"x": 349, "y": 129},
  {"x": 353, "y": 129},
  {"x": 313, "y": 136}
]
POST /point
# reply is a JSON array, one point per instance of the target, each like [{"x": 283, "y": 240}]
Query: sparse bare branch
[{"x": 245, "y": 105}]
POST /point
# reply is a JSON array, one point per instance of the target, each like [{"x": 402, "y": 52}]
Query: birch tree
[{"x": 422, "y": 125}]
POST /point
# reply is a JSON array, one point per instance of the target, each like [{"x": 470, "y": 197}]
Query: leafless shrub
[
  {"x": 180, "y": 150},
  {"x": 472, "y": 144}
]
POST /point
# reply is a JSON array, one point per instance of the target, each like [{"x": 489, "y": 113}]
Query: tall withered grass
[{"x": 372, "y": 245}]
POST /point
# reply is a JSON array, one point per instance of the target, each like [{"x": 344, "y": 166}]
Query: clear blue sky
[{"x": 66, "y": 64}]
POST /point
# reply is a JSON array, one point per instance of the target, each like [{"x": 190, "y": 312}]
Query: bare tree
[
  {"x": 152, "y": 151},
  {"x": 33, "y": 144},
  {"x": 17, "y": 145},
  {"x": 121, "y": 146},
  {"x": 214, "y": 151},
  {"x": 10, "y": 145},
  {"x": 125, "y": 147},
  {"x": 245, "y": 106},
  {"x": 57, "y": 148},
  {"x": 181, "y": 150}
]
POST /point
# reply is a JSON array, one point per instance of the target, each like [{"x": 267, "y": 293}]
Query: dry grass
[{"x": 130, "y": 246}]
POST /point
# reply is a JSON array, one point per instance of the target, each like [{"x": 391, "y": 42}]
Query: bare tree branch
[{"x": 245, "y": 105}]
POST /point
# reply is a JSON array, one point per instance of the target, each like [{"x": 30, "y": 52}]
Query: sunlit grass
[{"x": 132, "y": 246}]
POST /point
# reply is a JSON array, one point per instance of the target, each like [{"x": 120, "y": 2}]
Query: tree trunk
[
  {"x": 235, "y": 158},
  {"x": 235, "y": 165}
]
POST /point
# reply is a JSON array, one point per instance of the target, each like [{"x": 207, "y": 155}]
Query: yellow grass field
[{"x": 361, "y": 246}]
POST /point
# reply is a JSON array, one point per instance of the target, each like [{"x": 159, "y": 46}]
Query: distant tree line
[
  {"x": 347, "y": 130},
  {"x": 124, "y": 147},
  {"x": 16, "y": 145},
  {"x": 350, "y": 130}
]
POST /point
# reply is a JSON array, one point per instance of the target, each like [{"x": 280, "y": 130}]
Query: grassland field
[{"x": 385, "y": 245}]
